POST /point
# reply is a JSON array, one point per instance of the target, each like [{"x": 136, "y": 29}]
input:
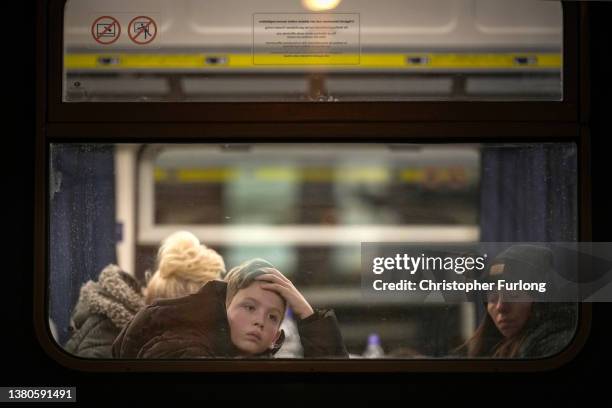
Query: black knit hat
[{"x": 528, "y": 262}]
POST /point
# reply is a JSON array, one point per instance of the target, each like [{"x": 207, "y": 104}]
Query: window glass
[
  {"x": 280, "y": 185},
  {"x": 306, "y": 209},
  {"x": 312, "y": 50}
]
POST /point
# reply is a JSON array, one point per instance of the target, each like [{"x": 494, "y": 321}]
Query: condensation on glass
[
  {"x": 300, "y": 51},
  {"x": 306, "y": 209}
]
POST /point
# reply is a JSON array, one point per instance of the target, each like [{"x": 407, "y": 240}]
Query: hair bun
[
  {"x": 184, "y": 265},
  {"x": 182, "y": 256},
  {"x": 178, "y": 254}
]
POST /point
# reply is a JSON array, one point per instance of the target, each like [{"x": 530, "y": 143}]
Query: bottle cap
[{"x": 373, "y": 339}]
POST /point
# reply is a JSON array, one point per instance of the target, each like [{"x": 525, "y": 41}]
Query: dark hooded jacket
[
  {"x": 103, "y": 309},
  {"x": 550, "y": 331},
  {"x": 196, "y": 326}
]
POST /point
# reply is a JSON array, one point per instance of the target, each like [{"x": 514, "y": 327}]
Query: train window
[
  {"x": 309, "y": 50},
  {"x": 305, "y": 208},
  {"x": 457, "y": 123}
]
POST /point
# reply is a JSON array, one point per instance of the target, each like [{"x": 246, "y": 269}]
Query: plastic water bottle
[
  {"x": 292, "y": 346},
  {"x": 373, "y": 349}
]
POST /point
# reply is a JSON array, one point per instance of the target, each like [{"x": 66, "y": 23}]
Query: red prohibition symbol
[
  {"x": 105, "y": 30},
  {"x": 142, "y": 30}
]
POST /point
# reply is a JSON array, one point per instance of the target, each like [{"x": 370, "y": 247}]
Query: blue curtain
[
  {"x": 528, "y": 194},
  {"x": 82, "y": 223}
]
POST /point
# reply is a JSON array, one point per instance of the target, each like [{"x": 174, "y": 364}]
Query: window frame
[{"x": 413, "y": 122}]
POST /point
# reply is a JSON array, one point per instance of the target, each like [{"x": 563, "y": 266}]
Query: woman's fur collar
[{"x": 112, "y": 296}]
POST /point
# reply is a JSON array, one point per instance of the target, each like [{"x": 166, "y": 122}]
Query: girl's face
[{"x": 509, "y": 316}]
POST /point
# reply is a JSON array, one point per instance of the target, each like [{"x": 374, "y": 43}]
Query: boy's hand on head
[{"x": 275, "y": 281}]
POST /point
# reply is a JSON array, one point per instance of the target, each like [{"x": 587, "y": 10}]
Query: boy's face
[{"x": 254, "y": 316}]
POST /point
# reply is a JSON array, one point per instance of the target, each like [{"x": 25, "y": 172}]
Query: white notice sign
[{"x": 306, "y": 38}]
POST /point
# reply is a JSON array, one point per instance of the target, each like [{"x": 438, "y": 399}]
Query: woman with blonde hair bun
[
  {"x": 107, "y": 305},
  {"x": 184, "y": 265}
]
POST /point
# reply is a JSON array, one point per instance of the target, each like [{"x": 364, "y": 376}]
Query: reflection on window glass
[
  {"x": 300, "y": 51},
  {"x": 198, "y": 212},
  {"x": 284, "y": 185}
]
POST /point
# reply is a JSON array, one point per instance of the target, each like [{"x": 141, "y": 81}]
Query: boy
[{"x": 238, "y": 317}]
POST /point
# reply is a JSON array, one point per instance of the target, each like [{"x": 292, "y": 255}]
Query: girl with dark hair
[
  {"x": 516, "y": 324},
  {"x": 522, "y": 330}
]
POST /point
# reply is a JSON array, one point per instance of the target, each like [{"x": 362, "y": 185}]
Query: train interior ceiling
[{"x": 393, "y": 50}]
